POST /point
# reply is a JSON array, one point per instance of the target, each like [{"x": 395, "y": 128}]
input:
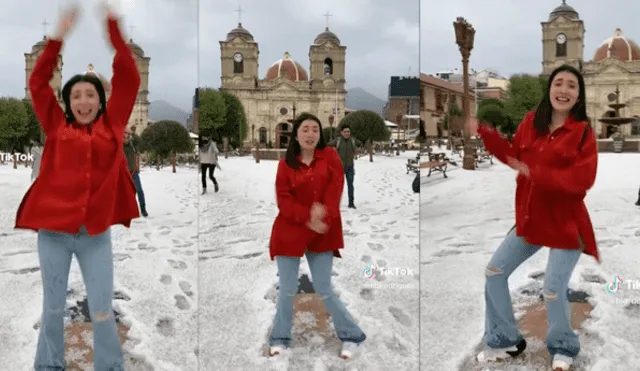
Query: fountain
[{"x": 616, "y": 121}]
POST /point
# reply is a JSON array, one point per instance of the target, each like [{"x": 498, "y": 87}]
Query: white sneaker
[
  {"x": 495, "y": 354},
  {"x": 561, "y": 363},
  {"x": 275, "y": 350},
  {"x": 500, "y": 354},
  {"x": 349, "y": 350}
]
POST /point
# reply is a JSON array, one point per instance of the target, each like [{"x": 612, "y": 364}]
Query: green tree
[
  {"x": 525, "y": 92},
  {"x": 493, "y": 114},
  {"x": 34, "y": 130},
  {"x": 164, "y": 139},
  {"x": 212, "y": 111},
  {"x": 14, "y": 123},
  {"x": 235, "y": 127},
  {"x": 330, "y": 132},
  {"x": 367, "y": 127},
  {"x": 490, "y": 102}
]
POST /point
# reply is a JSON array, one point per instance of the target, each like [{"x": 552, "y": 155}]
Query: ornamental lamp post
[
  {"x": 331, "y": 120},
  {"x": 465, "y": 34}
]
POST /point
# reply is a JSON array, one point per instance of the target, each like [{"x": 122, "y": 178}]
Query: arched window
[
  {"x": 328, "y": 67},
  {"x": 262, "y": 135}
]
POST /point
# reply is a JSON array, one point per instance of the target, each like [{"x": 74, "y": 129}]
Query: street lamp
[
  {"x": 331, "y": 120},
  {"x": 465, "y": 34}
]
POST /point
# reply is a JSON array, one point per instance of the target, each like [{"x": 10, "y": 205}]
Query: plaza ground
[
  {"x": 155, "y": 280},
  {"x": 463, "y": 220},
  {"x": 238, "y": 280}
]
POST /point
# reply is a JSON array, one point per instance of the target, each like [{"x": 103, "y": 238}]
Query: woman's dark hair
[
  {"x": 202, "y": 140},
  {"x": 544, "y": 111},
  {"x": 293, "y": 150},
  {"x": 66, "y": 94}
]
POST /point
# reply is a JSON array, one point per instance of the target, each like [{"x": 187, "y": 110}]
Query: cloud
[
  {"x": 165, "y": 29},
  {"x": 508, "y": 33}
]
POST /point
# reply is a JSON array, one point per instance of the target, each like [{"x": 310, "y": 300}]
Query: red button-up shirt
[
  {"x": 83, "y": 180},
  {"x": 297, "y": 190},
  {"x": 550, "y": 208}
]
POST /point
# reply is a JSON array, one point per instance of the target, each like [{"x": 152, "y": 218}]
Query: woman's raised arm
[
  {"x": 125, "y": 81},
  {"x": 43, "y": 98}
]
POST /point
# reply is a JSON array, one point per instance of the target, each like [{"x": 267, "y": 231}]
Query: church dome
[
  {"x": 619, "y": 47},
  {"x": 137, "y": 50},
  {"x": 287, "y": 68},
  {"x": 240, "y": 32},
  {"x": 565, "y": 10},
  {"x": 326, "y": 36}
]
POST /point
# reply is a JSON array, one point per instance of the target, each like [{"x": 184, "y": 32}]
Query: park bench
[
  {"x": 457, "y": 146},
  {"x": 413, "y": 165},
  {"x": 482, "y": 154},
  {"x": 437, "y": 162}
]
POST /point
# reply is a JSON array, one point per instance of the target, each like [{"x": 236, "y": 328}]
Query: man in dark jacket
[
  {"x": 133, "y": 160},
  {"x": 347, "y": 146}
]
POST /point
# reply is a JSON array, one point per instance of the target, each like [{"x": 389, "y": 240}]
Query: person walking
[
  {"x": 555, "y": 154},
  {"x": 133, "y": 162},
  {"x": 36, "y": 152},
  {"x": 309, "y": 185},
  {"x": 83, "y": 188},
  {"x": 208, "y": 161},
  {"x": 347, "y": 146}
]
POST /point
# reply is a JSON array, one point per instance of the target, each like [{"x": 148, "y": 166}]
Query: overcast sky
[
  {"x": 382, "y": 36},
  {"x": 165, "y": 29},
  {"x": 508, "y": 32}
]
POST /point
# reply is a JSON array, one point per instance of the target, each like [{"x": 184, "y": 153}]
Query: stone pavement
[{"x": 533, "y": 325}]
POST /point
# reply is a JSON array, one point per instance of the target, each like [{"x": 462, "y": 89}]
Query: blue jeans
[
  {"x": 349, "y": 173},
  {"x": 139, "y": 191},
  {"x": 320, "y": 265},
  {"x": 95, "y": 257},
  {"x": 501, "y": 330}
]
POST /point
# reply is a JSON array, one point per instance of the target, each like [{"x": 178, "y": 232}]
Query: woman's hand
[
  {"x": 518, "y": 166},
  {"x": 318, "y": 226},
  {"x": 66, "y": 22},
  {"x": 318, "y": 212}
]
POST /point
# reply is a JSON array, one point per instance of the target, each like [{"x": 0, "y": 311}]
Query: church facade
[
  {"x": 139, "y": 119},
  {"x": 272, "y": 101},
  {"x": 615, "y": 64}
]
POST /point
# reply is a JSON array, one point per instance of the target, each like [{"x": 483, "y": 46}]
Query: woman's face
[
  {"x": 564, "y": 91},
  {"x": 308, "y": 134},
  {"x": 85, "y": 102}
]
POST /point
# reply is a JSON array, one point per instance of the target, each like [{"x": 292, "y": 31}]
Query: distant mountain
[
  {"x": 162, "y": 110},
  {"x": 359, "y": 99}
]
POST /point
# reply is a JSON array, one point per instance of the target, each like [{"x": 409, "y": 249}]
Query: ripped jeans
[
  {"x": 320, "y": 265},
  {"x": 95, "y": 258},
  {"x": 501, "y": 330}
]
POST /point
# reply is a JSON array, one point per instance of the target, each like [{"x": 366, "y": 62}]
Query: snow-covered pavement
[
  {"x": 155, "y": 270},
  {"x": 237, "y": 278},
  {"x": 465, "y": 217}
]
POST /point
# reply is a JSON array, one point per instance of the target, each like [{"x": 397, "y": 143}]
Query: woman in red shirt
[
  {"x": 83, "y": 188},
  {"x": 309, "y": 186},
  {"x": 555, "y": 154}
]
